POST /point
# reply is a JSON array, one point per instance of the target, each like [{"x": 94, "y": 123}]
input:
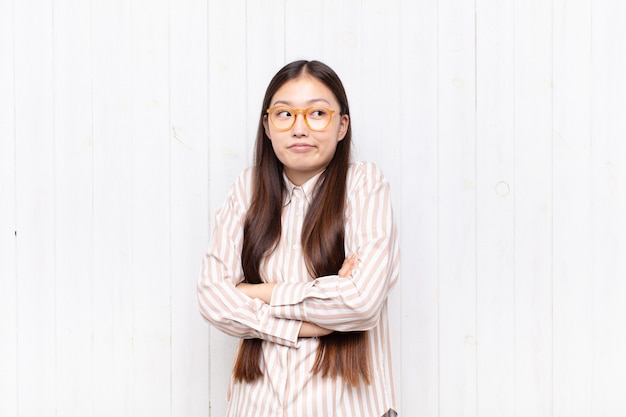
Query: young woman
[{"x": 302, "y": 259}]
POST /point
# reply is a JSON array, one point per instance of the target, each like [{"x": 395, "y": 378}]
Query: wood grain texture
[
  {"x": 8, "y": 235},
  {"x": 499, "y": 124}
]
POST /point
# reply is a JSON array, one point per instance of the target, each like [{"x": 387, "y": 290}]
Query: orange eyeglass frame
[{"x": 304, "y": 112}]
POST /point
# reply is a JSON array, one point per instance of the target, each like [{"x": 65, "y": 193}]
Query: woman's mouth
[{"x": 300, "y": 147}]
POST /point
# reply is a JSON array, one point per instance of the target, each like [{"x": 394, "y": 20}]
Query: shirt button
[{"x": 295, "y": 247}]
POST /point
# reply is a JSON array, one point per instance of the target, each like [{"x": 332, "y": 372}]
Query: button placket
[{"x": 299, "y": 200}]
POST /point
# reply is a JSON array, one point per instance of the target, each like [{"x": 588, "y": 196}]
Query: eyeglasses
[{"x": 316, "y": 118}]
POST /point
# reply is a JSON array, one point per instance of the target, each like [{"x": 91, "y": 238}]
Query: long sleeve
[
  {"x": 223, "y": 305},
  {"x": 354, "y": 303}
]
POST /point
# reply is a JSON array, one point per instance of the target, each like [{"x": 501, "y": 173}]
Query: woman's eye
[
  {"x": 317, "y": 113},
  {"x": 283, "y": 113}
]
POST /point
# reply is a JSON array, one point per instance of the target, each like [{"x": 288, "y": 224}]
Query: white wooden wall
[{"x": 501, "y": 125}]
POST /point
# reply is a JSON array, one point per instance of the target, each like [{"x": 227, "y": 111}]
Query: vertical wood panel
[
  {"x": 495, "y": 224},
  {"x": 265, "y": 54},
  {"x": 227, "y": 97},
  {"x": 35, "y": 204},
  {"x": 188, "y": 204},
  {"x": 533, "y": 208},
  {"x": 73, "y": 147},
  {"x": 8, "y": 273},
  {"x": 344, "y": 37},
  {"x": 119, "y": 141},
  {"x": 417, "y": 211},
  {"x": 304, "y": 25},
  {"x": 343, "y": 51},
  {"x": 572, "y": 265},
  {"x": 380, "y": 87},
  {"x": 112, "y": 285},
  {"x": 150, "y": 208},
  {"x": 608, "y": 177},
  {"x": 227, "y": 153},
  {"x": 457, "y": 209}
]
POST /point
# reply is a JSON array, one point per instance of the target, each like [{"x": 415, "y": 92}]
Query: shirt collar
[{"x": 308, "y": 188}]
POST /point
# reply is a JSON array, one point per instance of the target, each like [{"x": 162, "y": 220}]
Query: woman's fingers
[{"x": 348, "y": 266}]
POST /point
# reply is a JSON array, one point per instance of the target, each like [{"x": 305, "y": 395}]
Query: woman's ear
[
  {"x": 343, "y": 126},
  {"x": 267, "y": 127}
]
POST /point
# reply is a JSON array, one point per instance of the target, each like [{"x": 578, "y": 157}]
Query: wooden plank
[
  {"x": 380, "y": 89},
  {"x": 572, "y": 232},
  {"x": 150, "y": 213},
  {"x": 265, "y": 55},
  {"x": 457, "y": 209},
  {"x": 417, "y": 212},
  {"x": 533, "y": 208},
  {"x": 188, "y": 204},
  {"x": 299, "y": 43},
  {"x": 35, "y": 208},
  {"x": 343, "y": 37},
  {"x": 124, "y": 274},
  {"x": 73, "y": 148},
  {"x": 227, "y": 90},
  {"x": 495, "y": 210},
  {"x": 343, "y": 52},
  {"x": 8, "y": 270},
  {"x": 112, "y": 228},
  {"x": 227, "y": 153},
  {"x": 608, "y": 177}
]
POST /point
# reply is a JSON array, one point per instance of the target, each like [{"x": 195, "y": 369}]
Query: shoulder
[
  {"x": 241, "y": 189},
  {"x": 243, "y": 182},
  {"x": 365, "y": 175}
]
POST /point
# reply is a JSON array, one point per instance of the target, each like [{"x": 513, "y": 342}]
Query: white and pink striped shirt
[{"x": 288, "y": 387}]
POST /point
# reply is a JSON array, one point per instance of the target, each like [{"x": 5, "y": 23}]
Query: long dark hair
[{"x": 339, "y": 353}]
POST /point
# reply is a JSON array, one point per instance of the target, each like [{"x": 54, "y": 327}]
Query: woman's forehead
[{"x": 304, "y": 90}]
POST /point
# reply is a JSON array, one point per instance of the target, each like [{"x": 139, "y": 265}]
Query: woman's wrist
[
  {"x": 312, "y": 330},
  {"x": 261, "y": 291}
]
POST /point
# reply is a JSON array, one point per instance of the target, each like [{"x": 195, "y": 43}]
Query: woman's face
[{"x": 305, "y": 152}]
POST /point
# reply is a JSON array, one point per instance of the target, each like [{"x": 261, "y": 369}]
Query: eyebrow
[{"x": 288, "y": 103}]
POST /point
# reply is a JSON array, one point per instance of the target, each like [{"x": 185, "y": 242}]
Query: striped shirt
[{"x": 288, "y": 387}]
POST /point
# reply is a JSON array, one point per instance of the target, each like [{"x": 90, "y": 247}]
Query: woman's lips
[{"x": 300, "y": 147}]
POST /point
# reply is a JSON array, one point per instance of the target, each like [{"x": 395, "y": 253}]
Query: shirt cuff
[
  {"x": 287, "y": 335},
  {"x": 287, "y": 298}
]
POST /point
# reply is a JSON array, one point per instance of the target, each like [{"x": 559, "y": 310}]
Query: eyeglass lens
[{"x": 317, "y": 118}]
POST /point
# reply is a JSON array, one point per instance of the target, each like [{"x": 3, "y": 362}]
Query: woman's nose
[{"x": 300, "y": 127}]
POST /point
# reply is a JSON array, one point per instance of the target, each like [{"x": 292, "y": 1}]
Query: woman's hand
[
  {"x": 349, "y": 264},
  {"x": 312, "y": 330}
]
